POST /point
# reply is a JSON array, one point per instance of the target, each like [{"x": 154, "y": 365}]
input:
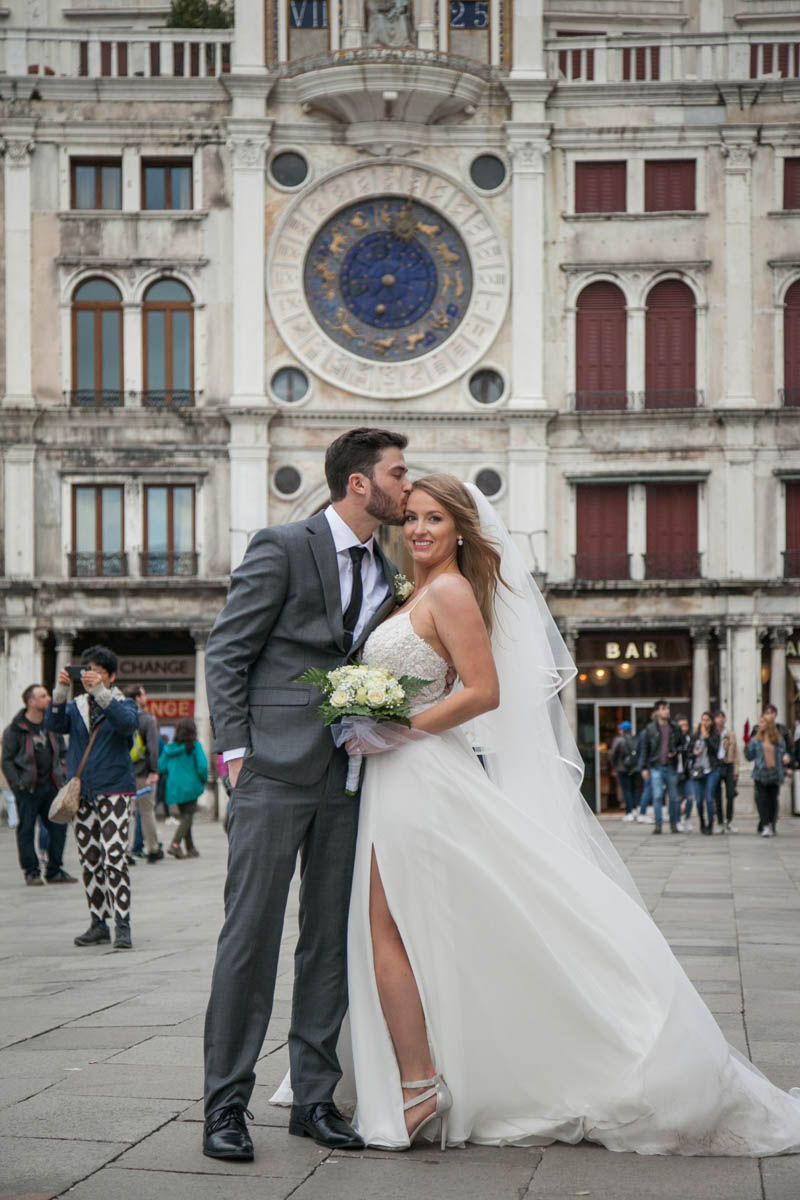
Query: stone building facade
[{"x": 556, "y": 244}]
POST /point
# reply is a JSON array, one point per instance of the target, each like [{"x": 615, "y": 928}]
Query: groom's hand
[{"x": 234, "y": 767}]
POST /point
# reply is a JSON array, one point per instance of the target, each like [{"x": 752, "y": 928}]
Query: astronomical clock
[{"x": 387, "y": 280}]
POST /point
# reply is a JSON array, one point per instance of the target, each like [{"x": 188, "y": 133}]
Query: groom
[{"x": 306, "y": 595}]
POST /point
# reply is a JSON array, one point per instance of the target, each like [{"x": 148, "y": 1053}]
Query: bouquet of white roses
[{"x": 358, "y": 696}]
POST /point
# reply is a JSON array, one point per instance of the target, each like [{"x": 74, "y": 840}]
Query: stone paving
[{"x": 101, "y": 1051}]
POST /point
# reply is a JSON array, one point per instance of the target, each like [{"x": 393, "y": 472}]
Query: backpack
[{"x": 629, "y": 756}]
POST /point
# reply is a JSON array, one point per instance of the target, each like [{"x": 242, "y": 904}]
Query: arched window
[
  {"x": 669, "y": 368},
  {"x": 168, "y": 345},
  {"x": 791, "y": 347},
  {"x": 600, "y": 353},
  {"x": 97, "y": 344}
]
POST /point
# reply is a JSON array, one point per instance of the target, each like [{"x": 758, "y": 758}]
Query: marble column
[
  {"x": 724, "y": 667},
  {"x": 19, "y": 147},
  {"x": 248, "y": 140},
  {"x": 426, "y": 29},
  {"x": 65, "y": 639},
  {"x": 248, "y": 452},
  {"x": 249, "y": 38},
  {"x": 777, "y": 672},
  {"x": 352, "y": 24},
  {"x": 528, "y": 148},
  {"x": 738, "y": 149},
  {"x": 20, "y": 508},
  {"x": 700, "y": 673},
  {"x": 527, "y": 41}
]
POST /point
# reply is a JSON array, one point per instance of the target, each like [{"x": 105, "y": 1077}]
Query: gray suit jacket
[{"x": 283, "y": 615}]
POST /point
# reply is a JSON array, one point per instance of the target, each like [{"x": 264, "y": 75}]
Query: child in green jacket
[{"x": 185, "y": 766}]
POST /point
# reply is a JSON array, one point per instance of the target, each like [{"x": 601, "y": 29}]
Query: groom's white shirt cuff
[{"x": 227, "y": 755}]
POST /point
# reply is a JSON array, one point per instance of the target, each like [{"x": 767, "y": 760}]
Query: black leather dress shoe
[
  {"x": 326, "y": 1125},
  {"x": 225, "y": 1135}
]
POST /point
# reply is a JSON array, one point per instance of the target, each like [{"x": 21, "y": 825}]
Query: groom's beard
[{"x": 383, "y": 508}]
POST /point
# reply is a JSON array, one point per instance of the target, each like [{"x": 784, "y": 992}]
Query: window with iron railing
[
  {"x": 97, "y": 531},
  {"x": 671, "y": 531},
  {"x": 670, "y": 346},
  {"x": 601, "y": 348},
  {"x": 97, "y": 378},
  {"x": 601, "y": 531},
  {"x": 169, "y": 520},
  {"x": 168, "y": 325},
  {"x": 791, "y": 347},
  {"x": 791, "y": 555}
]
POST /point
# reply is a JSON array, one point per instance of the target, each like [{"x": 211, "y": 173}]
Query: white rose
[
  {"x": 376, "y": 697},
  {"x": 361, "y": 695},
  {"x": 339, "y": 699}
]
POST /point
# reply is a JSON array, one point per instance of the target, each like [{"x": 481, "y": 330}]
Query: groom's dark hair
[{"x": 356, "y": 453}]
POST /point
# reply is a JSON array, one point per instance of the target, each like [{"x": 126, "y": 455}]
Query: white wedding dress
[{"x": 555, "y": 1008}]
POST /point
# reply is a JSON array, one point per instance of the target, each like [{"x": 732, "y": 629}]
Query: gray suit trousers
[{"x": 271, "y": 822}]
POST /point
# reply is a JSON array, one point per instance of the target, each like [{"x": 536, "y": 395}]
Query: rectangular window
[
  {"x": 169, "y": 541},
  {"x": 602, "y": 531},
  {"x": 600, "y": 187},
  {"x": 672, "y": 531},
  {"x": 791, "y": 557},
  {"x": 791, "y": 183},
  {"x": 96, "y": 183},
  {"x": 669, "y": 185},
  {"x": 97, "y": 531},
  {"x": 167, "y": 185}
]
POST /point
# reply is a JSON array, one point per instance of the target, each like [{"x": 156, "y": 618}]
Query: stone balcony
[{"x": 416, "y": 87}]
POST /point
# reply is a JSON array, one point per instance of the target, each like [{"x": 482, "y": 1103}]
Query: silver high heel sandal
[{"x": 444, "y": 1102}]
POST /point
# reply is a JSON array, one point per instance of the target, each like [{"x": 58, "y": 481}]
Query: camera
[{"x": 74, "y": 672}]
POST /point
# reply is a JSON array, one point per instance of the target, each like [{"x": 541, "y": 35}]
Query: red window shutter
[
  {"x": 793, "y": 520},
  {"x": 791, "y": 347},
  {"x": 672, "y": 531},
  {"x": 791, "y": 183},
  {"x": 669, "y": 186},
  {"x": 670, "y": 347},
  {"x": 600, "y": 351},
  {"x": 602, "y": 531},
  {"x": 600, "y": 187}
]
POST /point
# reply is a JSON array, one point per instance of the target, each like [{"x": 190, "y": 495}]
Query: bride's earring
[{"x": 460, "y": 541}]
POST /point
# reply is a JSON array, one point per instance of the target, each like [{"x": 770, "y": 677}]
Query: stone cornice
[
  {"x": 131, "y": 89},
  {"x": 695, "y": 264},
  {"x": 395, "y": 411}
]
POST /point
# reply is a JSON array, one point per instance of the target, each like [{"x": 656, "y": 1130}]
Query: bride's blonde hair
[{"x": 478, "y": 559}]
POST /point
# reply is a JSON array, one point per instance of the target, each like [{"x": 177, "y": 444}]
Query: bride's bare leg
[{"x": 399, "y": 997}]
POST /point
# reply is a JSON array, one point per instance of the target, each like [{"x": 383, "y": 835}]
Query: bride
[{"x": 507, "y": 984}]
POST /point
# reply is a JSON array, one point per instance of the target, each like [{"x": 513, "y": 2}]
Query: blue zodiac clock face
[
  {"x": 389, "y": 279},
  {"x": 386, "y": 279}
]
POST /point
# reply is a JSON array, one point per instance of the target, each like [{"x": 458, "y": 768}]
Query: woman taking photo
[
  {"x": 185, "y": 766},
  {"x": 766, "y": 749},
  {"x": 704, "y": 774}
]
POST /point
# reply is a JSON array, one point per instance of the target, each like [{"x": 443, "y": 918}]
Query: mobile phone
[{"x": 74, "y": 673}]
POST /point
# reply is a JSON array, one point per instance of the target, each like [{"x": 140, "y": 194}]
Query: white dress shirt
[
  {"x": 372, "y": 579},
  {"x": 372, "y": 582}
]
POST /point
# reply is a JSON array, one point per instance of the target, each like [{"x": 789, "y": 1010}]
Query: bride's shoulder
[{"x": 451, "y": 589}]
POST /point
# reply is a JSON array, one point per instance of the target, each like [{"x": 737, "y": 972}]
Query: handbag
[
  {"x": 766, "y": 776},
  {"x": 67, "y": 799}
]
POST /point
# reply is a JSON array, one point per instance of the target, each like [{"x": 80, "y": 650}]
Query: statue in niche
[{"x": 389, "y": 23}]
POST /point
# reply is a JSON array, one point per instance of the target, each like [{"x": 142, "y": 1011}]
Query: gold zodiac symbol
[
  {"x": 428, "y": 230},
  {"x": 327, "y": 272},
  {"x": 413, "y": 338},
  {"x": 441, "y": 320},
  {"x": 445, "y": 253},
  {"x": 459, "y": 285},
  {"x": 447, "y": 284},
  {"x": 359, "y": 221},
  {"x": 337, "y": 241},
  {"x": 384, "y": 344}
]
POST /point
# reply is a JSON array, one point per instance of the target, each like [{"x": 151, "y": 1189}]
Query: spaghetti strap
[{"x": 408, "y": 610}]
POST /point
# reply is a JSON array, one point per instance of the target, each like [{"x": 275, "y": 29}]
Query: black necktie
[{"x": 356, "y": 596}]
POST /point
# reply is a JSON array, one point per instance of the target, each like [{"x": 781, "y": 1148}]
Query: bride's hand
[{"x": 377, "y": 738}]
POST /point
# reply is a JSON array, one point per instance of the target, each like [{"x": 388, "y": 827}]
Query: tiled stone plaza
[{"x": 100, "y": 1066}]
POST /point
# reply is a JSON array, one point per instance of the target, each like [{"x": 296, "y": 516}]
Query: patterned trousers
[{"x": 102, "y": 837}]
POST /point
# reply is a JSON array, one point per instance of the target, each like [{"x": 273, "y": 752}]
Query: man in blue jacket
[{"x": 107, "y": 789}]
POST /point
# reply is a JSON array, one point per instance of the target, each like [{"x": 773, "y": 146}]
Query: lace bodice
[{"x": 396, "y": 646}]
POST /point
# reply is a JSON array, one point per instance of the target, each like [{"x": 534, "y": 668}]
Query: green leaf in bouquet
[
  {"x": 411, "y": 684},
  {"x": 317, "y": 677}
]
